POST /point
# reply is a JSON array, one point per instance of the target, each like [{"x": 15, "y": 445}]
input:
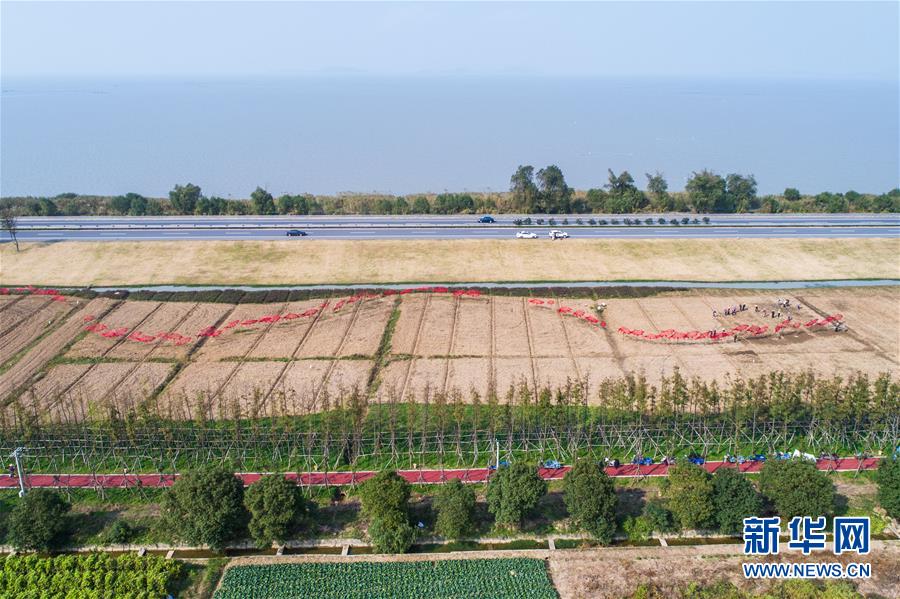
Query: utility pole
[{"x": 16, "y": 455}]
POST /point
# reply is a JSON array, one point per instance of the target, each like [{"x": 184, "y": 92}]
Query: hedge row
[{"x": 280, "y": 296}]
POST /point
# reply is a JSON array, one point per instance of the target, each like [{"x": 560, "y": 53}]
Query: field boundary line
[
  {"x": 530, "y": 346},
  {"x": 415, "y": 347},
  {"x": 337, "y": 351},
  {"x": 115, "y": 344},
  {"x": 293, "y": 355},
  {"x": 9, "y": 387},
  {"x": 156, "y": 344},
  {"x": 16, "y": 299},
  {"x": 853, "y": 334},
  {"x": 240, "y": 362},
  {"x": 492, "y": 375},
  {"x": 181, "y": 364},
  {"x": 562, "y": 322},
  {"x": 679, "y": 361},
  {"x": 385, "y": 348},
  {"x": 456, "y": 302},
  {"x": 47, "y": 302}
]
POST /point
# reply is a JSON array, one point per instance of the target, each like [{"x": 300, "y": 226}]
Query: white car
[
  {"x": 557, "y": 234},
  {"x": 526, "y": 235}
]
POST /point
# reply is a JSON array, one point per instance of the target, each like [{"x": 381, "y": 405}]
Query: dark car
[
  {"x": 486, "y": 219},
  {"x": 296, "y": 233}
]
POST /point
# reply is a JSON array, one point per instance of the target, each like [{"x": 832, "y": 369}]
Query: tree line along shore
[{"x": 531, "y": 191}]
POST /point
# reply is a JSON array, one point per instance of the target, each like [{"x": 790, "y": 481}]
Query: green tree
[
  {"x": 285, "y": 204},
  {"x": 740, "y": 193},
  {"x": 770, "y": 204},
  {"x": 138, "y": 205},
  {"x": 658, "y": 189},
  {"x": 38, "y": 522},
  {"x": 205, "y": 506},
  {"x": 591, "y": 499},
  {"x": 690, "y": 494},
  {"x": 555, "y": 194},
  {"x": 734, "y": 499},
  {"x": 797, "y": 488},
  {"x": 392, "y": 533},
  {"x": 523, "y": 189},
  {"x": 262, "y": 202},
  {"x": 624, "y": 196},
  {"x": 421, "y": 206},
  {"x": 659, "y": 516},
  {"x": 383, "y": 493},
  {"x": 274, "y": 504},
  {"x": 455, "y": 506},
  {"x": 791, "y": 194},
  {"x": 706, "y": 191},
  {"x": 184, "y": 198},
  {"x": 596, "y": 199},
  {"x": 120, "y": 204},
  {"x": 513, "y": 491},
  {"x": 888, "y": 479}
]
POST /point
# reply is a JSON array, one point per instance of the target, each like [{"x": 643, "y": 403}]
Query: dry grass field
[
  {"x": 311, "y": 261},
  {"x": 261, "y": 363}
]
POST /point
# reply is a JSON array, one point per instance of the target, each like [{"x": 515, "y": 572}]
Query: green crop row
[
  {"x": 86, "y": 576},
  {"x": 473, "y": 579}
]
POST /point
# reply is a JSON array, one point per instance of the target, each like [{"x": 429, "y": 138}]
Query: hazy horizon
[{"x": 403, "y": 98}]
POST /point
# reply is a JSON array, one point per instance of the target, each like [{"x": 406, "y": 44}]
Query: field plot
[
  {"x": 17, "y": 310},
  {"x": 238, "y": 341},
  {"x": 437, "y": 328},
  {"x": 365, "y": 334},
  {"x": 472, "y": 334},
  {"x": 79, "y": 392},
  {"x": 327, "y": 335},
  {"x": 194, "y": 389},
  {"x": 246, "y": 391},
  {"x": 168, "y": 317},
  {"x": 127, "y": 316},
  {"x": 469, "y": 374},
  {"x": 407, "y": 329},
  {"x": 259, "y": 362},
  {"x": 200, "y": 317},
  {"x": 516, "y": 578},
  {"x": 283, "y": 339},
  {"x": 425, "y": 374},
  {"x": 510, "y": 330},
  {"x": 19, "y": 335}
]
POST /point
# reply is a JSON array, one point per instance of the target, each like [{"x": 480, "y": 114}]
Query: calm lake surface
[{"x": 405, "y": 135}]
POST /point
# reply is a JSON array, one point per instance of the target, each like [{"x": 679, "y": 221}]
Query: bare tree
[{"x": 9, "y": 221}]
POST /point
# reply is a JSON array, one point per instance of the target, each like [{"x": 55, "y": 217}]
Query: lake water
[{"x": 405, "y": 135}]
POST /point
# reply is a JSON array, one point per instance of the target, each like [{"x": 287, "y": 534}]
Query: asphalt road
[{"x": 446, "y": 227}]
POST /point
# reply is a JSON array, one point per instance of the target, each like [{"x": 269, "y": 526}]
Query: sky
[{"x": 831, "y": 40}]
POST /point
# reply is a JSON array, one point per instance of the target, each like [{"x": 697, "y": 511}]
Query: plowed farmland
[{"x": 69, "y": 360}]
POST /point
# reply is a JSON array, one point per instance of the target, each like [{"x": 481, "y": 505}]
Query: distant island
[{"x": 542, "y": 191}]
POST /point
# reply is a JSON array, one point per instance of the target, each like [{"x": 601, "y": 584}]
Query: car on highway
[
  {"x": 296, "y": 233},
  {"x": 486, "y": 219},
  {"x": 526, "y": 235},
  {"x": 557, "y": 234}
]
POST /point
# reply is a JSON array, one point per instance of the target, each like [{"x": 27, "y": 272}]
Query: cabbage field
[
  {"x": 472, "y": 579},
  {"x": 87, "y": 576}
]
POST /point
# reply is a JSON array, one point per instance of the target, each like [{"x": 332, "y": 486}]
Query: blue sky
[{"x": 832, "y": 40}]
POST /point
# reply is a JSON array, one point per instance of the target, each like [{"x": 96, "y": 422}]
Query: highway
[{"x": 449, "y": 227}]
